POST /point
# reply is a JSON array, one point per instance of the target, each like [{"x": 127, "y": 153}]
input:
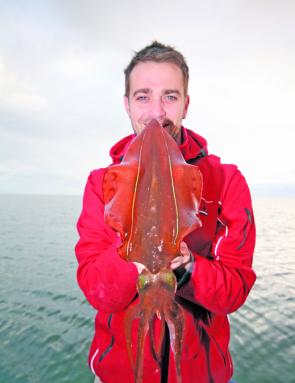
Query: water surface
[{"x": 46, "y": 325}]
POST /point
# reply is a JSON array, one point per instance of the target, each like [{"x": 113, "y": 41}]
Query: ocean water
[{"x": 46, "y": 325}]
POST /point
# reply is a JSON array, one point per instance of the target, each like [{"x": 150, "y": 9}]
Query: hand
[{"x": 185, "y": 260}]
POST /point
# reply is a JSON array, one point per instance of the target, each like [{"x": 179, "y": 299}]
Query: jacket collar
[{"x": 192, "y": 146}]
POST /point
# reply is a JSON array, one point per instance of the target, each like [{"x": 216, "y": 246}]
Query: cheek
[
  {"x": 176, "y": 114},
  {"x": 176, "y": 108},
  {"x": 136, "y": 112},
  {"x": 137, "y": 119},
  {"x": 141, "y": 117}
]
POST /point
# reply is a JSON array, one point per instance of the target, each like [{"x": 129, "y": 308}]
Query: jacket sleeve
[
  {"x": 222, "y": 285},
  {"x": 108, "y": 282}
]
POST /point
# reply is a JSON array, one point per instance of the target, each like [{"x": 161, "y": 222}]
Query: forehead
[{"x": 153, "y": 75}]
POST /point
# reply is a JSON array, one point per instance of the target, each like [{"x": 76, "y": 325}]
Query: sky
[{"x": 62, "y": 85}]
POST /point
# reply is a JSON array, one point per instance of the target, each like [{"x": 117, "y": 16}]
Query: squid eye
[
  {"x": 143, "y": 281},
  {"x": 168, "y": 278}
]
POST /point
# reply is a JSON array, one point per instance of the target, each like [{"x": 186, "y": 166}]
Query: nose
[{"x": 157, "y": 109}]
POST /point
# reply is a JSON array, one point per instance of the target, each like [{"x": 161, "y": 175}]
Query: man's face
[{"x": 157, "y": 92}]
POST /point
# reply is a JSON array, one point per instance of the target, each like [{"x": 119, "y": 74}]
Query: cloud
[
  {"x": 61, "y": 82},
  {"x": 19, "y": 94}
]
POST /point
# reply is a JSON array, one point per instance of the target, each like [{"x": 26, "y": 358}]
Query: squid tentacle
[
  {"x": 175, "y": 322},
  {"x": 131, "y": 313},
  {"x": 154, "y": 350},
  {"x": 142, "y": 331},
  {"x": 157, "y": 347}
]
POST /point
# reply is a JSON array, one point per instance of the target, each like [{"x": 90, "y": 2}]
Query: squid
[{"x": 151, "y": 200}]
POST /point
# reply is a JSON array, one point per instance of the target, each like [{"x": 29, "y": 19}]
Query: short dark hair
[{"x": 159, "y": 53}]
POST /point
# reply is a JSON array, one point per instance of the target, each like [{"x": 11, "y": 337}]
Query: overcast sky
[{"x": 62, "y": 84}]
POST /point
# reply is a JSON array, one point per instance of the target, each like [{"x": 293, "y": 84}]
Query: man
[{"x": 214, "y": 267}]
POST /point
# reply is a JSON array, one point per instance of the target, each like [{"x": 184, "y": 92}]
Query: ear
[
  {"x": 187, "y": 100},
  {"x": 127, "y": 106}
]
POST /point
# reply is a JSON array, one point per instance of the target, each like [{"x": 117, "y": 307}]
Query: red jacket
[{"x": 219, "y": 283}]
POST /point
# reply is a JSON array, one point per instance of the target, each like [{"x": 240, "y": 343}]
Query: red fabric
[{"x": 221, "y": 278}]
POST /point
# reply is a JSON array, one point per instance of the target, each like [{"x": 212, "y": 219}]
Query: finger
[
  {"x": 184, "y": 250},
  {"x": 183, "y": 246},
  {"x": 177, "y": 259},
  {"x": 175, "y": 265},
  {"x": 139, "y": 267},
  {"x": 180, "y": 261}
]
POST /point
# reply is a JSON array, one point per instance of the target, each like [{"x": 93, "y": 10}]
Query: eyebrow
[
  {"x": 147, "y": 91},
  {"x": 143, "y": 90},
  {"x": 169, "y": 91}
]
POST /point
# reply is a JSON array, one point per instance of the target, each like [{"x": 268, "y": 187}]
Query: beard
[{"x": 172, "y": 129}]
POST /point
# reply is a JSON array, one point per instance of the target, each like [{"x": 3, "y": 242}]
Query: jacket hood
[{"x": 193, "y": 146}]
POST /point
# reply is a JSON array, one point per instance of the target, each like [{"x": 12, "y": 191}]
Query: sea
[{"x": 46, "y": 325}]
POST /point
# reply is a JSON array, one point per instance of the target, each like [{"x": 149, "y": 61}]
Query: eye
[
  {"x": 141, "y": 98},
  {"x": 171, "y": 97}
]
